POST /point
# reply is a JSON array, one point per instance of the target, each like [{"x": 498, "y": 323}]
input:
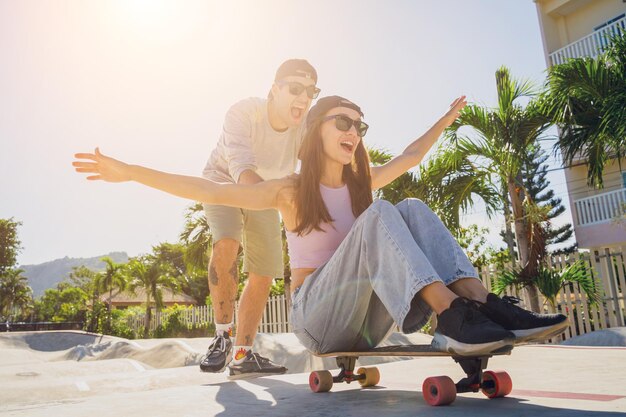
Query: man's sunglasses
[
  {"x": 344, "y": 123},
  {"x": 296, "y": 89}
]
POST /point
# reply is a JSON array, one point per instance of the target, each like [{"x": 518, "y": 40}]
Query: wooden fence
[
  {"x": 275, "y": 317},
  {"x": 608, "y": 269}
]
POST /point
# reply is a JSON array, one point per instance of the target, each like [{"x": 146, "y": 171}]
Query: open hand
[
  {"x": 105, "y": 168},
  {"x": 455, "y": 110}
]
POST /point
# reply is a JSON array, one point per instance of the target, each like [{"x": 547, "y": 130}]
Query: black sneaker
[
  {"x": 526, "y": 325},
  {"x": 218, "y": 355},
  {"x": 463, "y": 330},
  {"x": 254, "y": 365}
]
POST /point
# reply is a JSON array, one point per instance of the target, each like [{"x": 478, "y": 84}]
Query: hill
[{"x": 49, "y": 274}]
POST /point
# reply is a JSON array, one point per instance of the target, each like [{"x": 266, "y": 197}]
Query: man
[{"x": 260, "y": 141}]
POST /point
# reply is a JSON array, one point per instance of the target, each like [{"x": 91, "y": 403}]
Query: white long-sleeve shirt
[{"x": 248, "y": 141}]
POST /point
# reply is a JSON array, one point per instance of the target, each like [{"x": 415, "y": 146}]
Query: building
[{"x": 573, "y": 29}]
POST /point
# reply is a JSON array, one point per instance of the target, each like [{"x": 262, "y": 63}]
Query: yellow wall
[
  {"x": 577, "y": 180},
  {"x": 566, "y": 21}
]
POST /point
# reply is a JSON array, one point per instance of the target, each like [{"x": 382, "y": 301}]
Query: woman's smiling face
[{"x": 340, "y": 145}]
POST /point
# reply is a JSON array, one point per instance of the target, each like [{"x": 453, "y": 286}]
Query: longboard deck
[
  {"x": 439, "y": 390},
  {"x": 402, "y": 350}
]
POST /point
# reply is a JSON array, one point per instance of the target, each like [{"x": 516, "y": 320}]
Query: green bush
[
  {"x": 173, "y": 325},
  {"x": 119, "y": 324}
]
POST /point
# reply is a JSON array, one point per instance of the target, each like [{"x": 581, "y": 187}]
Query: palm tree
[
  {"x": 550, "y": 281},
  {"x": 502, "y": 138},
  {"x": 152, "y": 276},
  {"x": 196, "y": 236},
  {"x": 447, "y": 193},
  {"x": 15, "y": 293},
  {"x": 110, "y": 279},
  {"x": 586, "y": 98},
  {"x": 91, "y": 283},
  {"x": 192, "y": 278},
  {"x": 9, "y": 244}
]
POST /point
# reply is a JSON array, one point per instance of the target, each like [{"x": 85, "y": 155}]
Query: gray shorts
[{"x": 258, "y": 231}]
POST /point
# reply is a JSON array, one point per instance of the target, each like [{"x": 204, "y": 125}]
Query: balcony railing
[
  {"x": 591, "y": 45},
  {"x": 601, "y": 208}
]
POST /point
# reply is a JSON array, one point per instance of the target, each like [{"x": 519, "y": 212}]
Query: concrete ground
[{"x": 80, "y": 374}]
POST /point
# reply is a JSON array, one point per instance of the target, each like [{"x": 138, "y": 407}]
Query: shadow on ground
[{"x": 239, "y": 399}]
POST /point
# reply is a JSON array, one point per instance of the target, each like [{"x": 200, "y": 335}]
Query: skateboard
[{"x": 437, "y": 390}]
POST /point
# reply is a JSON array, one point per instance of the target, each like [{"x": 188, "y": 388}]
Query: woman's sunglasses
[
  {"x": 344, "y": 123},
  {"x": 296, "y": 89}
]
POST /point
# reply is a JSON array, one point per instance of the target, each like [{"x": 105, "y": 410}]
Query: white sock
[
  {"x": 226, "y": 328},
  {"x": 240, "y": 354}
]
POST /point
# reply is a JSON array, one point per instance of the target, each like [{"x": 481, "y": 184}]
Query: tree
[
  {"x": 112, "y": 278},
  {"x": 196, "y": 236},
  {"x": 550, "y": 281},
  {"x": 447, "y": 192},
  {"x": 90, "y": 282},
  {"x": 192, "y": 278},
  {"x": 152, "y": 276},
  {"x": 65, "y": 303},
  {"x": 473, "y": 241},
  {"x": 9, "y": 244},
  {"x": 501, "y": 140},
  {"x": 586, "y": 98},
  {"x": 15, "y": 293},
  {"x": 534, "y": 172}
]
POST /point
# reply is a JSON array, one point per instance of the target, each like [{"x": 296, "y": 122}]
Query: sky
[{"x": 149, "y": 82}]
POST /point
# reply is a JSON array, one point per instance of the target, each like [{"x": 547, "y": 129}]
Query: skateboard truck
[
  {"x": 473, "y": 368},
  {"x": 322, "y": 381},
  {"x": 346, "y": 373}
]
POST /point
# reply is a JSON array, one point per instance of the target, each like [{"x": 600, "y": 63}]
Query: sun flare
[{"x": 162, "y": 20}]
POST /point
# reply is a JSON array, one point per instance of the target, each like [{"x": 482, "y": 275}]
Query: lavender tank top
[{"x": 315, "y": 248}]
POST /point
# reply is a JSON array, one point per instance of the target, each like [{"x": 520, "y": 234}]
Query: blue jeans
[{"x": 391, "y": 253}]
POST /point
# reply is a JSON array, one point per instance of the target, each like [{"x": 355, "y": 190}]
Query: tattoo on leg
[
  {"x": 234, "y": 273},
  {"x": 248, "y": 340},
  {"x": 213, "y": 276}
]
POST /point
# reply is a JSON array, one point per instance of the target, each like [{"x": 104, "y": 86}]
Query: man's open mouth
[{"x": 297, "y": 112}]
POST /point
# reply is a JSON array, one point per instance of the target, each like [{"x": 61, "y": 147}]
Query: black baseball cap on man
[
  {"x": 297, "y": 67},
  {"x": 324, "y": 104}
]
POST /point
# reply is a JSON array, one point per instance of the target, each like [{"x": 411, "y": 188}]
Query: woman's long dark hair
[{"x": 310, "y": 208}]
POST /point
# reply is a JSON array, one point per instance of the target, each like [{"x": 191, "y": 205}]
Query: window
[
  {"x": 624, "y": 179},
  {"x": 605, "y": 33},
  {"x": 608, "y": 22}
]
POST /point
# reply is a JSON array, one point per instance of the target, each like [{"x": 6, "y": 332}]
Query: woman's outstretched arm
[
  {"x": 414, "y": 153},
  {"x": 254, "y": 197}
]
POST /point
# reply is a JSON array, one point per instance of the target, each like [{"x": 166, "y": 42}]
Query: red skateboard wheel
[{"x": 439, "y": 390}]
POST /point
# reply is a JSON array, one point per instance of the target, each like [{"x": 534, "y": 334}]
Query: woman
[{"x": 360, "y": 266}]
